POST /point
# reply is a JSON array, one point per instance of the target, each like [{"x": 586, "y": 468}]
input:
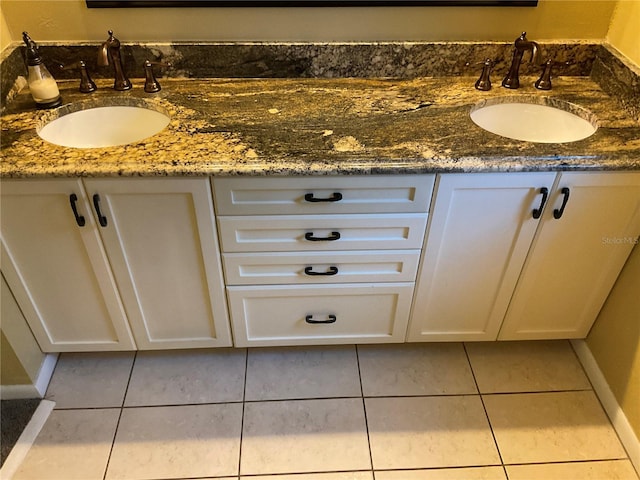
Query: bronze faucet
[
  {"x": 521, "y": 45},
  {"x": 86, "y": 83},
  {"x": 110, "y": 53},
  {"x": 151, "y": 84}
]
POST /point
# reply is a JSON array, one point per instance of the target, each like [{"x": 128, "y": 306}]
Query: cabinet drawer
[
  {"x": 278, "y": 233},
  {"x": 318, "y": 195},
  {"x": 320, "y": 267},
  {"x": 280, "y": 315}
]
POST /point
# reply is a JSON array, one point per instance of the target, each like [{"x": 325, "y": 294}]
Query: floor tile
[
  {"x": 551, "y": 427},
  {"x": 531, "y": 366},
  {"x": 177, "y": 442},
  {"x": 469, "y": 473},
  {"x": 315, "y": 476},
  {"x": 187, "y": 377},
  {"x": 304, "y": 436},
  {"x": 73, "y": 444},
  {"x": 423, "y": 432},
  {"x": 89, "y": 380},
  {"x": 416, "y": 369},
  {"x": 609, "y": 470},
  {"x": 302, "y": 372}
]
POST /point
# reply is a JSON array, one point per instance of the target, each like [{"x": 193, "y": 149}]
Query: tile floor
[{"x": 516, "y": 410}]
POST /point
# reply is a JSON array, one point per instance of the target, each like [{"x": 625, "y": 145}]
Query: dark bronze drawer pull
[
  {"x": 334, "y": 236},
  {"x": 335, "y": 197},
  {"x": 330, "y": 319},
  {"x": 330, "y": 271}
]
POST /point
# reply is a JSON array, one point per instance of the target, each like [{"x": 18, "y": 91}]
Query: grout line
[
  {"x": 244, "y": 396},
  {"x": 364, "y": 408},
  {"x": 495, "y": 441},
  {"x": 586, "y": 460},
  {"x": 124, "y": 397}
]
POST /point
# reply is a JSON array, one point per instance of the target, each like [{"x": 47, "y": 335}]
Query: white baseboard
[
  {"x": 39, "y": 388},
  {"x": 618, "y": 419},
  {"x": 28, "y": 436},
  {"x": 45, "y": 373}
]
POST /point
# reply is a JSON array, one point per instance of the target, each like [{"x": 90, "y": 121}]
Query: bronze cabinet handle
[
  {"x": 96, "y": 204},
  {"x": 334, "y": 236},
  {"x": 538, "y": 211},
  {"x": 331, "y": 271},
  {"x": 73, "y": 199},
  {"x": 330, "y": 319},
  {"x": 335, "y": 197},
  {"x": 558, "y": 213}
]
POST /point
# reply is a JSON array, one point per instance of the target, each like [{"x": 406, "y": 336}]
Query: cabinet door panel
[
  {"x": 480, "y": 230},
  {"x": 575, "y": 260},
  {"x": 162, "y": 244},
  {"x": 57, "y": 270}
]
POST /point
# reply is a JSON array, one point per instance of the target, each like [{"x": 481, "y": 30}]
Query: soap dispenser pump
[{"x": 42, "y": 85}]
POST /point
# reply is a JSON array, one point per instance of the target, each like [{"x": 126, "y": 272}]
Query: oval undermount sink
[
  {"x": 102, "y": 126},
  {"x": 534, "y": 119}
]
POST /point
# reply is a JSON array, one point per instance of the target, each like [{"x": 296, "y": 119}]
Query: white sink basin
[
  {"x": 103, "y": 126},
  {"x": 532, "y": 121}
]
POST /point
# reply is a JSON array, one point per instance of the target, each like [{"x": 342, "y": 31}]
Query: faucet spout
[
  {"x": 521, "y": 45},
  {"x": 109, "y": 53}
]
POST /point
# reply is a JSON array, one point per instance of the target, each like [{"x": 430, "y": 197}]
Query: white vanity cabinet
[
  {"x": 57, "y": 268},
  {"x": 491, "y": 270},
  {"x": 321, "y": 260},
  {"x": 138, "y": 256}
]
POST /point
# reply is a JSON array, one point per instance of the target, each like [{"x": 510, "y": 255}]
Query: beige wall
[
  {"x": 614, "y": 340},
  {"x": 11, "y": 370},
  {"x": 20, "y": 355},
  {"x": 5, "y": 33},
  {"x": 70, "y": 20},
  {"x": 624, "y": 31}
]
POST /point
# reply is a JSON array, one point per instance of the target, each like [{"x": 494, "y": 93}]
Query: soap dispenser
[{"x": 42, "y": 85}]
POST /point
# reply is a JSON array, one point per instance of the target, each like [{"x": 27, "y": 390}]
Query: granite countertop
[{"x": 318, "y": 127}]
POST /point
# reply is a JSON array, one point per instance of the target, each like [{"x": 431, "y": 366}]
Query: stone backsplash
[{"x": 336, "y": 60}]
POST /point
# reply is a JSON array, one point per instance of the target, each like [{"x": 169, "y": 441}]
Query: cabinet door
[
  {"x": 575, "y": 259},
  {"x": 161, "y": 240},
  {"x": 480, "y": 231},
  {"x": 58, "y": 270}
]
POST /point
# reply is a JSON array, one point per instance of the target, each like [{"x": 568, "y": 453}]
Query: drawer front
[
  {"x": 279, "y": 233},
  {"x": 323, "y": 195},
  {"x": 279, "y": 315},
  {"x": 320, "y": 267}
]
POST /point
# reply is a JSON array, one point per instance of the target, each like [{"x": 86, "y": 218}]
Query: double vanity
[{"x": 317, "y": 211}]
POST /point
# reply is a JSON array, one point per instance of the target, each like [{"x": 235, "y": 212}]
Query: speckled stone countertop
[{"x": 319, "y": 127}]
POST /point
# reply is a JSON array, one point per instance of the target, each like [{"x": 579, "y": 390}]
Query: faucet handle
[
  {"x": 544, "y": 82},
  {"x": 484, "y": 82},
  {"x": 86, "y": 84},
  {"x": 151, "y": 84}
]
